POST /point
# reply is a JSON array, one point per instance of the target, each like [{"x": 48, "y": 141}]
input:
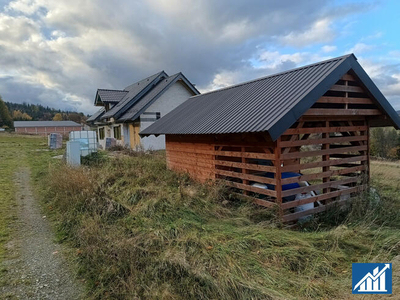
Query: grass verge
[{"x": 142, "y": 231}]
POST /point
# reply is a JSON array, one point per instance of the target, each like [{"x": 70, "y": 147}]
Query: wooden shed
[{"x": 298, "y": 140}]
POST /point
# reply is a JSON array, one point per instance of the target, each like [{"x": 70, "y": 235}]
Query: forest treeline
[{"x": 10, "y": 112}]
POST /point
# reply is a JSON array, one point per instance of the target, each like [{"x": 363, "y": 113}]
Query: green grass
[{"x": 138, "y": 230}]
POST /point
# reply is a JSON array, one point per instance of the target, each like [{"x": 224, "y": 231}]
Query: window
[
  {"x": 117, "y": 132},
  {"x": 158, "y": 115},
  {"x": 101, "y": 133}
]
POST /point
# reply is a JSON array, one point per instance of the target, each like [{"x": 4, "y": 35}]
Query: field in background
[{"x": 140, "y": 230}]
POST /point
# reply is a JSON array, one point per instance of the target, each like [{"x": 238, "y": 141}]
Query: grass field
[{"x": 140, "y": 230}]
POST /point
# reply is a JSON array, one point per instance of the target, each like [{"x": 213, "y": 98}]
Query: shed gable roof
[{"x": 271, "y": 103}]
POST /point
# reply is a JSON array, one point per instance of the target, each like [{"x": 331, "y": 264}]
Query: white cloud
[
  {"x": 320, "y": 32},
  {"x": 360, "y": 48},
  {"x": 329, "y": 48}
]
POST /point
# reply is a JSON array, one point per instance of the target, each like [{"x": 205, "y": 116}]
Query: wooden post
[
  {"x": 244, "y": 171},
  {"x": 325, "y": 135},
  {"x": 278, "y": 176}
]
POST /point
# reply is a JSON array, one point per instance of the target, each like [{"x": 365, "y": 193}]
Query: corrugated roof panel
[{"x": 248, "y": 107}]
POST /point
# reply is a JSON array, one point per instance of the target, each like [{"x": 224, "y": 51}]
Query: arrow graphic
[{"x": 387, "y": 266}]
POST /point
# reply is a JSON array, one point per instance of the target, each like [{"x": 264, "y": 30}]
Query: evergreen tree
[{"x": 5, "y": 117}]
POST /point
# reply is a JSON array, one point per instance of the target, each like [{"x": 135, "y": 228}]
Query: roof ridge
[
  {"x": 112, "y": 90},
  {"x": 155, "y": 75},
  {"x": 276, "y": 74}
]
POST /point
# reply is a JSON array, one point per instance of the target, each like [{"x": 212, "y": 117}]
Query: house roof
[
  {"x": 96, "y": 115},
  {"x": 135, "y": 98},
  {"x": 135, "y": 92},
  {"x": 271, "y": 103},
  {"x": 111, "y": 96},
  {"x": 140, "y": 106},
  {"x": 46, "y": 124}
]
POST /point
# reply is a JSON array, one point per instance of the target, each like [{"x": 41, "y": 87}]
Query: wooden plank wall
[{"x": 328, "y": 145}]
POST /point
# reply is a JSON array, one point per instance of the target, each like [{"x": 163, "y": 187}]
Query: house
[
  {"x": 46, "y": 127},
  {"x": 124, "y": 113},
  {"x": 297, "y": 140}
]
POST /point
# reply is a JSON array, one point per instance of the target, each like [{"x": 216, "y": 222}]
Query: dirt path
[{"x": 36, "y": 269}]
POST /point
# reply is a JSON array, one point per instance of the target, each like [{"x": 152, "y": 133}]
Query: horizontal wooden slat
[
  {"x": 255, "y": 178},
  {"x": 331, "y": 162},
  {"x": 298, "y": 215},
  {"x": 330, "y": 140},
  {"x": 348, "y": 77},
  {"x": 323, "y": 152},
  {"x": 317, "y": 187},
  {"x": 322, "y": 197},
  {"x": 346, "y": 88},
  {"x": 257, "y": 201},
  {"x": 314, "y": 176},
  {"x": 341, "y": 112},
  {"x": 245, "y": 166},
  {"x": 249, "y": 188},
  {"x": 324, "y": 129},
  {"x": 345, "y": 100},
  {"x": 245, "y": 154}
]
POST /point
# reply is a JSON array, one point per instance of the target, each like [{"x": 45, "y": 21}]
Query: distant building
[
  {"x": 124, "y": 113},
  {"x": 46, "y": 127}
]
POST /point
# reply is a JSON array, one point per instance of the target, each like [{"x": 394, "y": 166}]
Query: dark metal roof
[
  {"x": 140, "y": 106},
  {"x": 46, "y": 124},
  {"x": 135, "y": 91},
  {"x": 112, "y": 96},
  {"x": 271, "y": 103},
  {"x": 96, "y": 115}
]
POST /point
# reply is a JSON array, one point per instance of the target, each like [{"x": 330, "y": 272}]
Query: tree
[
  {"x": 58, "y": 117},
  {"x": 5, "y": 117},
  {"x": 19, "y": 116},
  {"x": 384, "y": 142}
]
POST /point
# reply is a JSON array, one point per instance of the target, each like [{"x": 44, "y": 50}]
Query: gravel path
[{"x": 36, "y": 269}]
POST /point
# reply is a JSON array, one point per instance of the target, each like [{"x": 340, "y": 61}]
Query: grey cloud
[{"x": 110, "y": 44}]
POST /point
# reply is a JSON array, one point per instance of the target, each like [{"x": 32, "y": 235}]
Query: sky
[{"x": 58, "y": 53}]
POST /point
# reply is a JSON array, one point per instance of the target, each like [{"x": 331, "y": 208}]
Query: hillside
[
  {"x": 138, "y": 230},
  {"x": 37, "y": 112}
]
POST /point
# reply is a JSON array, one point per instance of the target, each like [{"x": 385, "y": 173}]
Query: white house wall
[
  {"x": 173, "y": 97},
  {"x": 109, "y": 133}
]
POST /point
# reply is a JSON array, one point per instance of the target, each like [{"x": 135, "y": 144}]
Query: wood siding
[{"x": 328, "y": 146}]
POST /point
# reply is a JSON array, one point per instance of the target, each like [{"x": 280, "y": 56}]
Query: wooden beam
[
  {"x": 348, "y": 88},
  {"x": 247, "y": 166},
  {"x": 324, "y": 129},
  {"x": 332, "y": 162},
  {"x": 245, "y": 154},
  {"x": 341, "y": 112},
  {"x": 316, "y": 187},
  {"x": 278, "y": 175},
  {"x": 329, "y": 140},
  {"x": 257, "y": 201},
  {"x": 322, "y": 152},
  {"x": 328, "y": 173},
  {"x": 249, "y": 188},
  {"x": 348, "y": 77},
  {"x": 251, "y": 177},
  {"x": 322, "y": 197},
  {"x": 344, "y": 100}
]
